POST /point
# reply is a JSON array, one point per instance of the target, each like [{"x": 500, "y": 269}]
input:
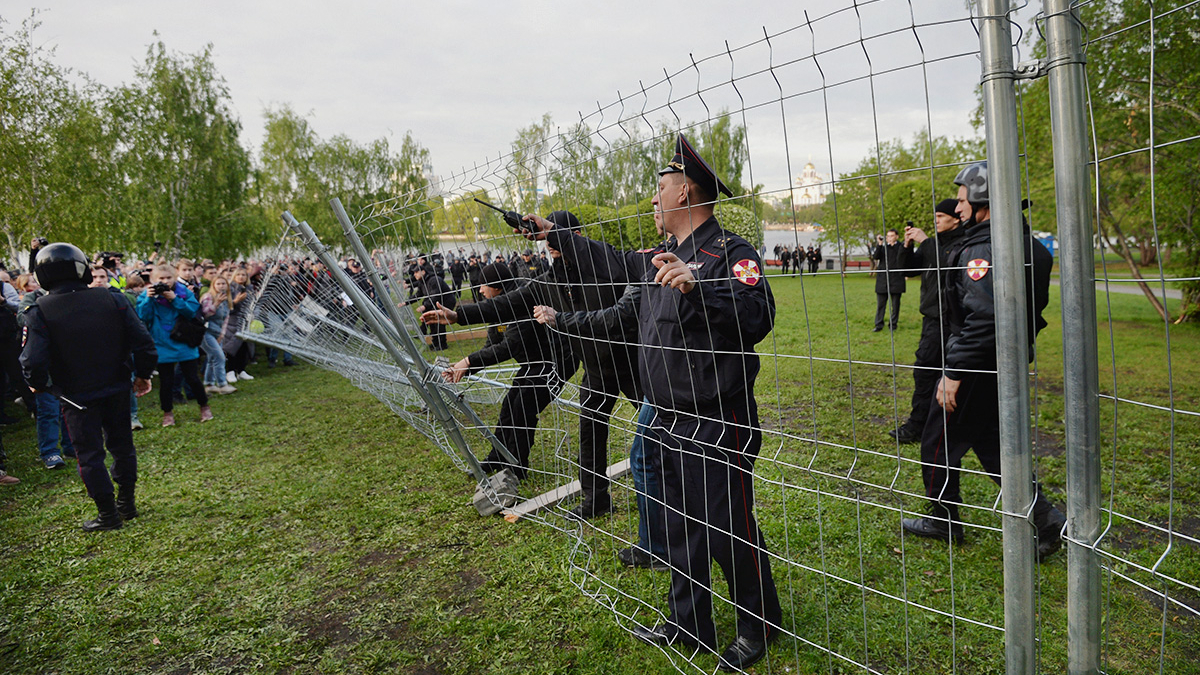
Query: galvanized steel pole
[
  {"x": 1012, "y": 349},
  {"x": 1081, "y": 378}
]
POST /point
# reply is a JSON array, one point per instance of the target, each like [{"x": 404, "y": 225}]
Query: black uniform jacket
[
  {"x": 432, "y": 290},
  {"x": 619, "y": 322},
  {"x": 889, "y": 277},
  {"x": 697, "y": 349},
  {"x": 79, "y": 340},
  {"x": 971, "y": 306},
  {"x": 563, "y": 288},
  {"x": 933, "y": 256}
]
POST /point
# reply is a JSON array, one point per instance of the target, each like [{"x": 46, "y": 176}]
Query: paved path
[{"x": 1131, "y": 288}]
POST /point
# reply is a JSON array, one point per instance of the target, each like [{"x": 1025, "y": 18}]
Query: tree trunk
[{"x": 1123, "y": 250}]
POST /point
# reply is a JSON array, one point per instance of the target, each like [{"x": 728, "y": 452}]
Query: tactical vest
[{"x": 89, "y": 350}]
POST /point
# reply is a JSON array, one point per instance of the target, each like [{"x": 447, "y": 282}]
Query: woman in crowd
[
  {"x": 236, "y": 349},
  {"x": 214, "y": 307},
  {"x": 160, "y": 306}
]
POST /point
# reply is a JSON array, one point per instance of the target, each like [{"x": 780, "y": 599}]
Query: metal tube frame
[
  {"x": 1081, "y": 377},
  {"x": 401, "y": 334},
  {"x": 371, "y": 314},
  {"x": 1012, "y": 349}
]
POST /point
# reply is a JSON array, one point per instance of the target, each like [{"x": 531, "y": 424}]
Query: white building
[{"x": 810, "y": 187}]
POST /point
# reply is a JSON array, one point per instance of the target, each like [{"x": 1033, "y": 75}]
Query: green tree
[
  {"x": 57, "y": 176},
  {"x": 184, "y": 170}
]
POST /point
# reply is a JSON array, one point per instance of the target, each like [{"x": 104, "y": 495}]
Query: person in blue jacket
[{"x": 164, "y": 302}]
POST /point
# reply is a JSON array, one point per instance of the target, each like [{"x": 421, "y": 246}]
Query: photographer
[{"x": 164, "y": 303}]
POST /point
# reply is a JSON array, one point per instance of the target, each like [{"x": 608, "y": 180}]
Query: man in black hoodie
[
  {"x": 929, "y": 256},
  {"x": 610, "y": 367},
  {"x": 965, "y": 414}
]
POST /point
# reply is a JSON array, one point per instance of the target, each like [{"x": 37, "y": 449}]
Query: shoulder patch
[
  {"x": 747, "y": 272},
  {"x": 977, "y": 269},
  {"x": 501, "y": 329}
]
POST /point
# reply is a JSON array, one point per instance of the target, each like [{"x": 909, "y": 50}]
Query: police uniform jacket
[
  {"x": 619, "y": 322},
  {"x": 971, "y": 306},
  {"x": 697, "y": 349},
  {"x": 79, "y": 343},
  {"x": 888, "y": 279},
  {"x": 160, "y": 314},
  {"x": 432, "y": 290}
]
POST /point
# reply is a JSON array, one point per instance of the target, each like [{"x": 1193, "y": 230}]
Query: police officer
[
  {"x": 965, "y": 413},
  {"x": 78, "y": 345},
  {"x": 705, "y": 305},
  {"x": 930, "y": 256}
]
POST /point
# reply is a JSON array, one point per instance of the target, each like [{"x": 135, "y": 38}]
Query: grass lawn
[{"x": 308, "y": 530}]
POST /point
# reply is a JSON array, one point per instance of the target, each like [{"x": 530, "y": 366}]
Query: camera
[{"x": 161, "y": 288}]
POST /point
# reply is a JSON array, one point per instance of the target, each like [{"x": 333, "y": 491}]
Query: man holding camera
[{"x": 889, "y": 277}]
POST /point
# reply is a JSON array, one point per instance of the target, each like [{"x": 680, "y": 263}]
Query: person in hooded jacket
[{"x": 609, "y": 366}]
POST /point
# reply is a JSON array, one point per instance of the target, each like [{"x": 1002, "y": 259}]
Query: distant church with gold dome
[{"x": 811, "y": 187}]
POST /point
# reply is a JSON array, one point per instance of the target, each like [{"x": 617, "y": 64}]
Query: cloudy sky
[{"x": 462, "y": 76}]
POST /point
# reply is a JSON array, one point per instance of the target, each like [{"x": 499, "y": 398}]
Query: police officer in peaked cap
[
  {"x": 705, "y": 305},
  {"x": 78, "y": 345}
]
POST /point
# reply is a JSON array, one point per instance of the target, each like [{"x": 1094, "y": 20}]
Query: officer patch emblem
[
  {"x": 695, "y": 266},
  {"x": 977, "y": 269},
  {"x": 747, "y": 272}
]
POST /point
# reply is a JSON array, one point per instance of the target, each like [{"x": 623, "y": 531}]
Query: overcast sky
[{"x": 463, "y": 76}]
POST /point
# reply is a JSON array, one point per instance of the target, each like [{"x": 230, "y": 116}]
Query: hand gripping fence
[{"x": 1077, "y": 420}]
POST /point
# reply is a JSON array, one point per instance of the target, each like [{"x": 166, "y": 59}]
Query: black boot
[
  {"x": 108, "y": 519},
  {"x": 1049, "y": 526},
  {"x": 941, "y": 523},
  {"x": 125, "y": 505},
  {"x": 592, "y": 506}
]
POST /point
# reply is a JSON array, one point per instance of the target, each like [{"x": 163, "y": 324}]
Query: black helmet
[
  {"x": 975, "y": 178},
  {"x": 61, "y": 262}
]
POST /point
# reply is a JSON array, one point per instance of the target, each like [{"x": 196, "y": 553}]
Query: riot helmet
[
  {"x": 975, "y": 178},
  {"x": 60, "y": 262}
]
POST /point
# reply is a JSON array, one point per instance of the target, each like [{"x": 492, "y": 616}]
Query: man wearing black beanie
[{"x": 931, "y": 255}]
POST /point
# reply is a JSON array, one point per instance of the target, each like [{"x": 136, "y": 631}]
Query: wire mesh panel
[{"x": 753, "y": 399}]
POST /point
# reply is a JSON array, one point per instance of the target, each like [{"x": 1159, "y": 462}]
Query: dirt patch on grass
[
  {"x": 1049, "y": 445},
  {"x": 377, "y": 558}
]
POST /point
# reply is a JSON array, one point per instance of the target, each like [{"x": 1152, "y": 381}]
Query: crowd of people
[{"x": 796, "y": 259}]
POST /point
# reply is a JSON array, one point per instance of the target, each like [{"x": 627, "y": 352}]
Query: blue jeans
[
  {"x": 270, "y": 321},
  {"x": 214, "y": 365},
  {"x": 50, "y": 426},
  {"x": 645, "y": 461},
  {"x": 132, "y": 401}
]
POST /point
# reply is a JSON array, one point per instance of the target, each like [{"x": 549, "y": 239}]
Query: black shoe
[
  {"x": 743, "y": 653},
  {"x": 904, "y": 434},
  {"x": 1050, "y": 535},
  {"x": 636, "y": 557},
  {"x": 933, "y": 528},
  {"x": 270, "y": 364},
  {"x": 288, "y": 364},
  {"x": 125, "y": 505},
  {"x": 8, "y": 419},
  {"x": 110, "y": 520},
  {"x": 664, "y": 635},
  {"x": 878, "y": 329},
  {"x": 591, "y": 508}
]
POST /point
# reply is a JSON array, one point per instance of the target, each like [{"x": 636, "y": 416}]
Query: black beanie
[
  {"x": 565, "y": 219},
  {"x": 497, "y": 275},
  {"x": 947, "y": 207}
]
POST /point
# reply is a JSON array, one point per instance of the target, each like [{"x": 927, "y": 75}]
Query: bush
[
  {"x": 741, "y": 221},
  {"x": 638, "y": 222},
  {"x": 600, "y": 223}
]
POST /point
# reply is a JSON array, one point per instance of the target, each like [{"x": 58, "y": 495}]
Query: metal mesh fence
[{"x": 828, "y": 485}]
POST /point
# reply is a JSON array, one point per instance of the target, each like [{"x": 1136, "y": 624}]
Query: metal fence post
[
  {"x": 1012, "y": 349},
  {"x": 1081, "y": 379}
]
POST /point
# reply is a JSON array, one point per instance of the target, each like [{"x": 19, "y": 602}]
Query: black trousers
[
  {"x": 881, "y": 300},
  {"x": 926, "y": 372},
  {"x": 104, "y": 421},
  {"x": 708, "y": 482},
  {"x": 519, "y": 411},
  {"x": 599, "y": 396},
  {"x": 166, "y": 382},
  {"x": 437, "y": 334},
  {"x": 974, "y": 425}
]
